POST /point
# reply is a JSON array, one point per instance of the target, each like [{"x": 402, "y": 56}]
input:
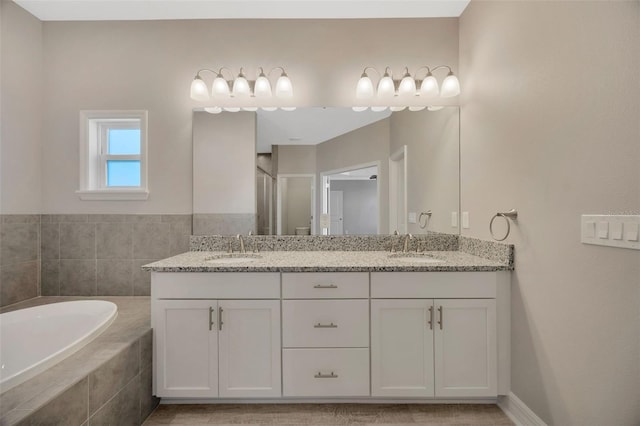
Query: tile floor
[{"x": 329, "y": 414}]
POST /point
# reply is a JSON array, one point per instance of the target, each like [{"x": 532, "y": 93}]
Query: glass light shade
[
  {"x": 378, "y": 108},
  {"x": 407, "y": 86},
  {"x": 435, "y": 108},
  {"x": 450, "y": 86},
  {"x": 240, "y": 86},
  {"x": 397, "y": 108},
  {"x": 250, "y": 109},
  {"x": 288, "y": 108},
  {"x": 269, "y": 108},
  {"x": 232, "y": 109},
  {"x": 364, "y": 89},
  {"x": 262, "y": 88},
  {"x": 213, "y": 110},
  {"x": 199, "y": 91},
  {"x": 359, "y": 108},
  {"x": 429, "y": 86},
  {"x": 416, "y": 108},
  {"x": 220, "y": 88},
  {"x": 386, "y": 88},
  {"x": 284, "y": 88}
]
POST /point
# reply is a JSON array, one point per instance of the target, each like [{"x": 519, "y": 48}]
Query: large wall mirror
[{"x": 326, "y": 171}]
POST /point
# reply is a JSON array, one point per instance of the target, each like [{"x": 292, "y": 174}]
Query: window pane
[
  {"x": 123, "y": 173},
  {"x": 124, "y": 141}
]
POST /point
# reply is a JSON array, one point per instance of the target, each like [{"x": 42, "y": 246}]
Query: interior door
[
  {"x": 402, "y": 347},
  {"x": 249, "y": 341},
  {"x": 465, "y": 348},
  {"x": 336, "y": 212}
]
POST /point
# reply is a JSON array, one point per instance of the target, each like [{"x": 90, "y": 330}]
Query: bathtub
[{"x": 33, "y": 339}]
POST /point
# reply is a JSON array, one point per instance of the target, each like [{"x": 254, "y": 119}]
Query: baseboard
[
  {"x": 318, "y": 400},
  {"x": 518, "y": 411}
]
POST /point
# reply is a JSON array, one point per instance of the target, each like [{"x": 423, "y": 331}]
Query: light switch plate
[
  {"x": 465, "y": 220},
  {"x": 611, "y": 230},
  {"x": 412, "y": 217}
]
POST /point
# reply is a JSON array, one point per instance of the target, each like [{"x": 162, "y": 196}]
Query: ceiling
[
  {"x": 309, "y": 126},
  {"x": 99, "y": 10}
]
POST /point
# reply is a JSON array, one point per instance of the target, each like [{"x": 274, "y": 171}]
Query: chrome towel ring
[
  {"x": 426, "y": 222},
  {"x": 508, "y": 217}
]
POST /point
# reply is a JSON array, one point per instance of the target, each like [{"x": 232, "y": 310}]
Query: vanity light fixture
[
  {"x": 257, "y": 93},
  {"x": 406, "y": 88}
]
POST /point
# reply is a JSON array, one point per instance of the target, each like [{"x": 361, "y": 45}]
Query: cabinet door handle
[
  {"x": 325, "y": 286},
  {"x": 326, "y": 376},
  {"x": 430, "y": 321},
  {"x": 441, "y": 316},
  {"x": 220, "y": 319},
  {"x": 211, "y": 318},
  {"x": 319, "y": 325}
]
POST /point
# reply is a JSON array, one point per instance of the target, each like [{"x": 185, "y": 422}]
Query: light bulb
[
  {"x": 240, "y": 86},
  {"x": 450, "y": 86},
  {"x": 359, "y": 108},
  {"x": 429, "y": 86},
  {"x": 269, "y": 108},
  {"x": 232, "y": 109},
  {"x": 364, "y": 89},
  {"x": 407, "y": 85},
  {"x": 250, "y": 108},
  {"x": 262, "y": 88},
  {"x": 284, "y": 88},
  {"x": 288, "y": 108},
  {"x": 435, "y": 107},
  {"x": 386, "y": 88},
  {"x": 213, "y": 110},
  {"x": 378, "y": 108},
  {"x": 220, "y": 87},
  {"x": 397, "y": 108},
  {"x": 199, "y": 91},
  {"x": 416, "y": 108}
]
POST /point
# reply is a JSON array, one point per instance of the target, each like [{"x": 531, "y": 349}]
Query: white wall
[
  {"x": 224, "y": 160},
  {"x": 359, "y": 205},
  {"x": 150, "y": 65},
  {"x": 550, "y": 126},
  {"x": 21, "y": 110}
]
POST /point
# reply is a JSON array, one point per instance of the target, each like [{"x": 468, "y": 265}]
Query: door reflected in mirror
[{"x": 327, "y": 171}]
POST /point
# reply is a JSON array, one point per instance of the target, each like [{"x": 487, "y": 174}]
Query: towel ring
[
  {"x": 426, "y": 222},
  {"x": 508, "y": 217}
]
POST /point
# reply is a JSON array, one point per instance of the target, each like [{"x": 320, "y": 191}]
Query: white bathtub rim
[{"x": 30, "y": 372}]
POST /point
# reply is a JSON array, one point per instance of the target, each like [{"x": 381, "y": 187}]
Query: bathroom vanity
[
  {"x": 324, "y": 325},
  {"x": 330, "y": 325}
]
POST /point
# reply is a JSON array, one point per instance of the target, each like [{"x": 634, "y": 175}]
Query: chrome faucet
[
  {"x": 405, "y": 246},
  {"x": 241, "y": 239},
  {"x": 393, "y": 241}
]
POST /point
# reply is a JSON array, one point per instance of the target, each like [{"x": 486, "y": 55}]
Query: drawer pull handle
[
  {"x": 332, "y": 325},
  {"x": 441, "y": 317},
  {"x": 325, "y": 286},
  {"x": 326, "y": 376},
  {"x": 210, "y": 318}
]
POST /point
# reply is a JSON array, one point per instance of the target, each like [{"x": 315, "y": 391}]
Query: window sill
[{"x": 113, "y": 194}]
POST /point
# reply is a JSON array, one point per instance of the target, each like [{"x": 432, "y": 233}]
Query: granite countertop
[{"x": 327, "y": 261}]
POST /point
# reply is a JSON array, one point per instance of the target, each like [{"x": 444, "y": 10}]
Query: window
[{"x": 113, "y": 155}]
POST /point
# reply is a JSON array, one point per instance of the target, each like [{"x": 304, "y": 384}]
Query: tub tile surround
[
  {"x": 101, "y": 254},
  {"x": 106, "y": 382},
  {"x": 19, "y": 258}
]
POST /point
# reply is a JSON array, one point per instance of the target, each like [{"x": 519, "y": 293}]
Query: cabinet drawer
[
  {"x": 325, "y": 323},
  {"x": 325, "y": 285},
  {"x": 215, "y": 285},
  {"x": 433, "y": 285},
  {"x": 325, "y": 372}
]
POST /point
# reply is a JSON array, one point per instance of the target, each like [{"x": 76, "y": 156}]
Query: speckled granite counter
[{"x": 328, "y": 261}]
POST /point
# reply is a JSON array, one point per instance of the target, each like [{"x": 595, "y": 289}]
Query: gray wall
[
  {"x": 19, "y": 258},
  {"x": 550, "y": 113},
  {"x": 360, "y": 205}
]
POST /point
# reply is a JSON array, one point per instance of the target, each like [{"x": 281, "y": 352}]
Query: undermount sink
[
  {"x": 414, "y": 258},
  {"x": 233, "y": 258}
]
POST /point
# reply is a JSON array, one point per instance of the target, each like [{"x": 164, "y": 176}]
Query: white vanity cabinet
[
  {"x": 212, "y": 340},
  {"x": 436, "y": 334},
  {"x": 325, "y": 328}
]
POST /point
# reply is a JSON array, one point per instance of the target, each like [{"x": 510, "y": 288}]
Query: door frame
[
  {"x": 279, "y": 199},
  {"x": 395, "y": 159}
]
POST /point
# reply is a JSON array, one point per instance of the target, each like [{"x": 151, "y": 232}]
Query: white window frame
[{"x": 94, "y": 126}]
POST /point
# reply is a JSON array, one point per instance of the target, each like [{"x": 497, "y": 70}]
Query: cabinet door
[
  {"x": 249, "y": 339},
  {"x": 465, "y": 348},
  {"x": 186, "y": 348},
  {"x": 402, "y": 347}
]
